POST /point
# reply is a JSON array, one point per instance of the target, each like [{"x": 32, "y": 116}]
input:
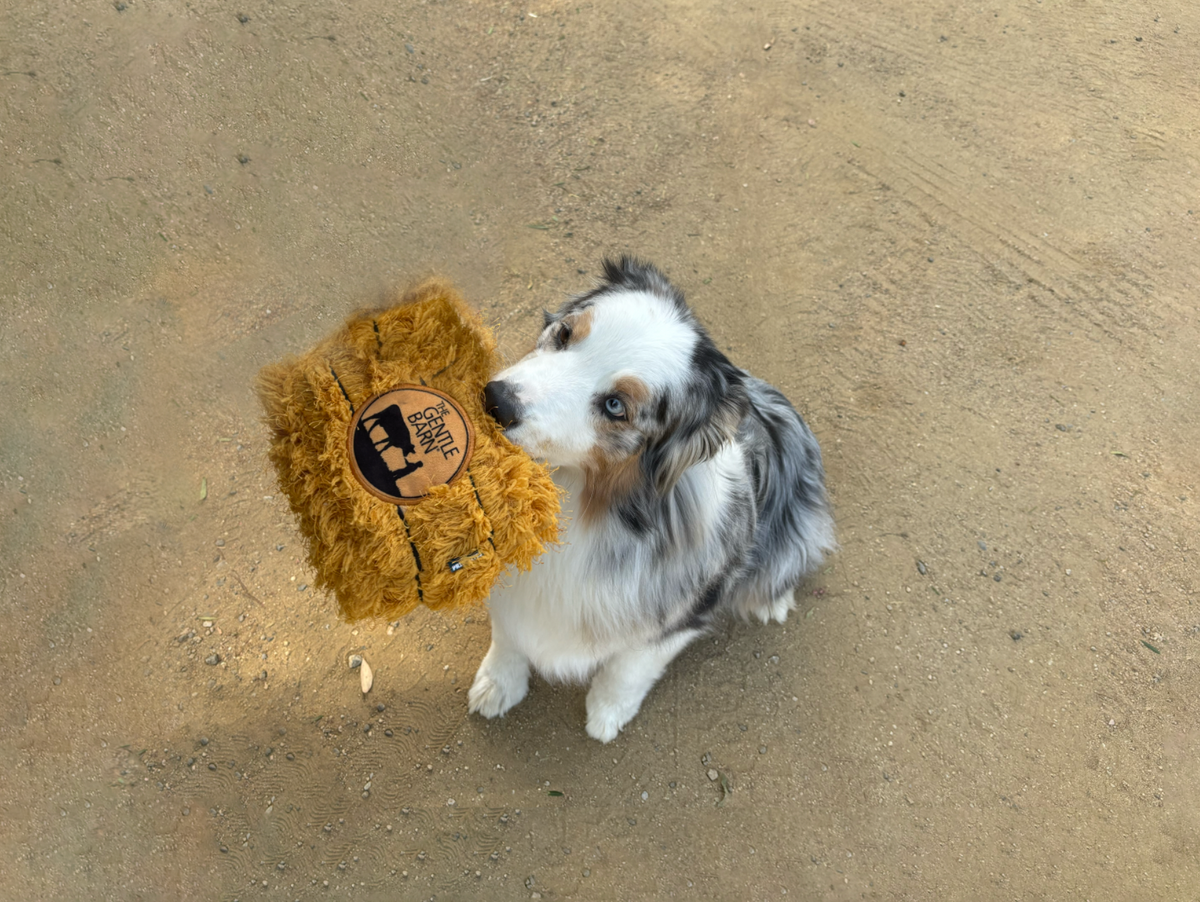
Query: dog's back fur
[{"x": 694, "y": 490}]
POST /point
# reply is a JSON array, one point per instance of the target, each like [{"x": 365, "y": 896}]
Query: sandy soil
[{"x": 960, "y": 237}]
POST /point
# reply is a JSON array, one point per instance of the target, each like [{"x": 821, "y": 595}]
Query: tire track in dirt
[
  {"x": 930, "y": 55},
  {"x": 1019, "y": 69},
  {"x": 996, "y": 228},
  {"x": 939, "y": 193}
]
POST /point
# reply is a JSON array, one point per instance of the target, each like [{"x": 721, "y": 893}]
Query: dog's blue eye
[{"x": 615, "y": 408}]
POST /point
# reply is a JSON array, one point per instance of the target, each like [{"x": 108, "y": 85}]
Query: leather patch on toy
[{"x": 407, "y": 440}]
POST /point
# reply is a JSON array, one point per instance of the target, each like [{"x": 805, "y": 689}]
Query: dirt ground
[{"x": 960, "y": 237}]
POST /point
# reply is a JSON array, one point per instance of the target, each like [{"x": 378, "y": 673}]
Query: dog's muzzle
[{"x": 500, "y": 400}]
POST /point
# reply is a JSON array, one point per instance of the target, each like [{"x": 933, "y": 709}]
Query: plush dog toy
[{"x": 405, "y": 489}]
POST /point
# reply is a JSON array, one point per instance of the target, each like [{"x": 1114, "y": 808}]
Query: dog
[{"x": 695, "y": 490}]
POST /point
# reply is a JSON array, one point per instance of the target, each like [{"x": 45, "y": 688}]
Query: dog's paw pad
[{"x": 491, "y": 698}]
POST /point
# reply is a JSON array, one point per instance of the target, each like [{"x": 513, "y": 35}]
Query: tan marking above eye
[
  {"x": 634, "y": 391},
  {"x": 580, "y": 325}
]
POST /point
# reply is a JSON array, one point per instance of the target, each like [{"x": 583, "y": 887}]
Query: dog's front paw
[
  {"x": 607, "y": 716},
  {"x": 777, "y": 609},
  {"x": 492, "y": 693}
]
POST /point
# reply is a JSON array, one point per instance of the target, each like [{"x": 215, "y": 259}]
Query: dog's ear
[
  {"x": 547, "y": 319},
  {"x": 699, "y": 421}
]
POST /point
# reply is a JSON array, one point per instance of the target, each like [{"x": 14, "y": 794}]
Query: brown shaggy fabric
[{"x": 448, "y": 549}]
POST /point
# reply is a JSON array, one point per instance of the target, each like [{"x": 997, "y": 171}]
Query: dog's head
[{"x": 624, "y": 384}]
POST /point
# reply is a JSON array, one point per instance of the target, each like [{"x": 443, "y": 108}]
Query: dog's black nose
[{"x": 500, "y": 400}]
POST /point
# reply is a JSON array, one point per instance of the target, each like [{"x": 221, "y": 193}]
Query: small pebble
[
  {"x": 366, "y": 677},
  {"x": 354, "y": 661},
  {"x": 303, "y": 587},
  {"x": 712, "y": 774},
  {"x": 220, "y": 543},
  {"x": 213, "y": 659},
  {"x": 762, "y": 749},
  {"x": 921, "y": 568},
  {"x": 212, "y": 767},
  {"x": 645, "y": 796},
  {"x": 204, "y": 740}
]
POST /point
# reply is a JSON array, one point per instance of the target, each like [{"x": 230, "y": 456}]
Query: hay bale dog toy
[{"x": 406, "y": 491}]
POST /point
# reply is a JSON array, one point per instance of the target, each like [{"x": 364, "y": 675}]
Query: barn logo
[{"x": 407, "y": 440}]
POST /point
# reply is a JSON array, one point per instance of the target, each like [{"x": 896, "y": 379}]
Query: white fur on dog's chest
[
  {"x": 575, "y": 609},
  {"x": 560, "y": 616}
]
